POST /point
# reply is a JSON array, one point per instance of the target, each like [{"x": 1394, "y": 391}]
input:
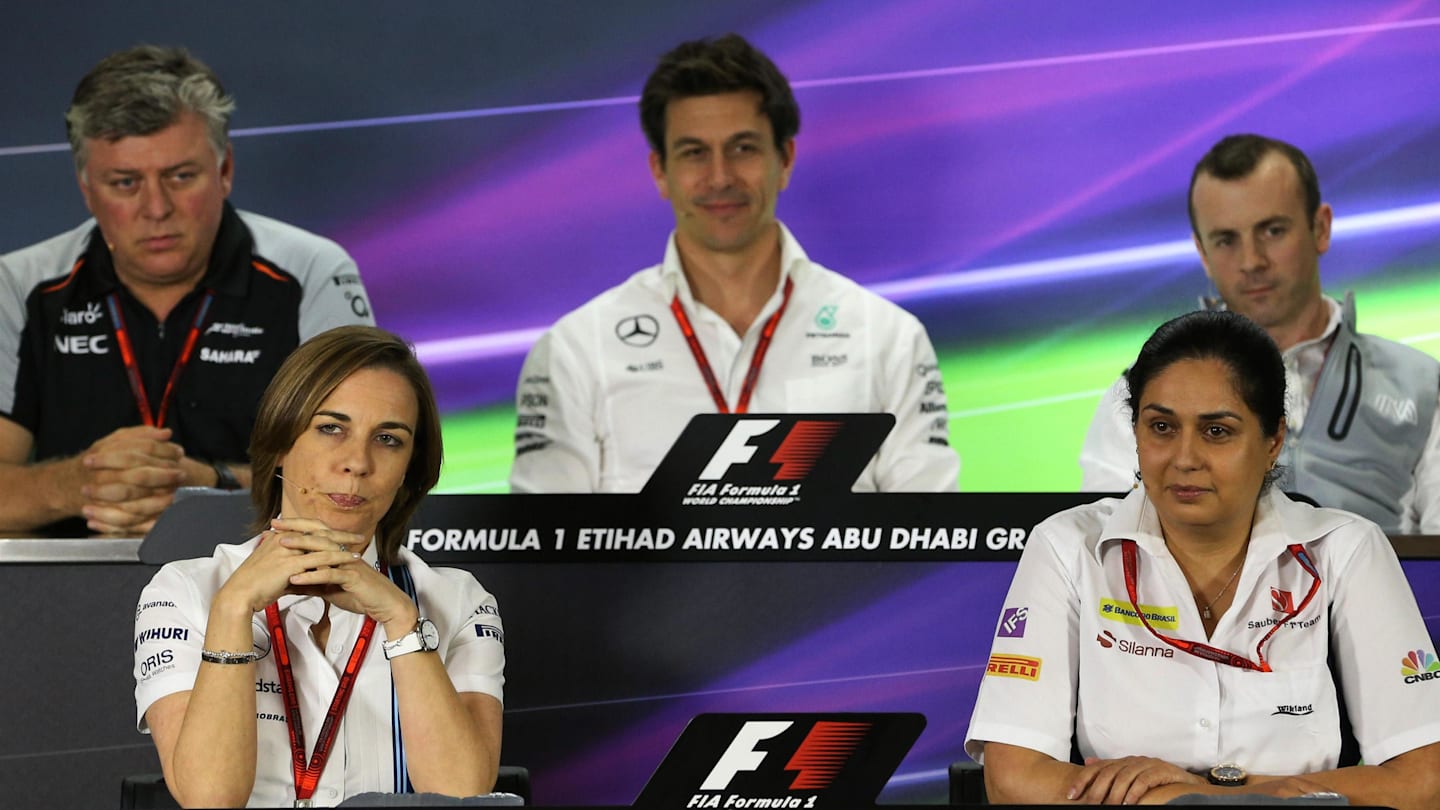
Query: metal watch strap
[{"x": 221, "y": 657}]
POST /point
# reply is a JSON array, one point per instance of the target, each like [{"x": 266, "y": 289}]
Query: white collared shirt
[
  {"x": 170, "y": 624},
  {"x": 1068, "y": 646},
  {"x": 607, "y": 390}
]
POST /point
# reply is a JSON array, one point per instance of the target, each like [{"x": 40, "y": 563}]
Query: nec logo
[
  {"x": 797, "y": 454},
  {"x": 819, "y": 757},
  {"x": 81, "y": 344}
]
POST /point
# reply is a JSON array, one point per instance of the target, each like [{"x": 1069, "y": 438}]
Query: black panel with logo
[{"x": 782, "y": 760}]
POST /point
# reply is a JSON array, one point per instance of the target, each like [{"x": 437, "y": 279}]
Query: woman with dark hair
[
  {"x": 267, "y": 656},
  {"x": 1206, "y": 634}
]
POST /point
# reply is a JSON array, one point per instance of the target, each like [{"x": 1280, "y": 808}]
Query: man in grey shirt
[{"x": 134, "y": 347}]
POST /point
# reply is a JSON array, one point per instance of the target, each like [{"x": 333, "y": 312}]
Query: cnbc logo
[{"x": 1418, "y": 665}]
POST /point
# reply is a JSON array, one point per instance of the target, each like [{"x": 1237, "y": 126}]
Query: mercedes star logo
[{"x": 638, "y": 330}]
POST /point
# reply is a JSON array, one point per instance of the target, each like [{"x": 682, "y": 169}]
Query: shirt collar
[
  {"x": 793, "y": 264},
  {"x": 1338, "y": 313},
  {"x": 1279, "y": 522},
  {"x": 228, "y": 272}
]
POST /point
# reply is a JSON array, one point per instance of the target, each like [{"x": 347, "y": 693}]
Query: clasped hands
[
  {"x": 128, "y": 478},
  {"x": 305, "y": 557},
  {"x": 1135, "y": 780}
]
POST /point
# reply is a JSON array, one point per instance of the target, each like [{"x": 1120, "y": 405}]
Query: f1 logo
[
  {"x": 820, "y": 756},
  {"x": 736, "y": 449},
  {"x": 797, "y": 454},
  {"x": 741, "y": 755}
]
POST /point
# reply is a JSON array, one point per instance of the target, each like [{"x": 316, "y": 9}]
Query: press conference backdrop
[{"x": 1012, "y": 172}]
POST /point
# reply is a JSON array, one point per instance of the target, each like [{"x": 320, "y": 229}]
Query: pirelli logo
[{"x": 1014, "y": 666}]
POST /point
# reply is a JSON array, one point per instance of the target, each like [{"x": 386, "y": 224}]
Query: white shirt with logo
[
  {"x": 1069, "y": 647},
  {"x": 170, "y": 623},
  {"x": 607, "y": 390}
]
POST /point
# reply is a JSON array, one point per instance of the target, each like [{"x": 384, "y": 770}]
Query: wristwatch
[
  {"x": 423, "y": 638},
  {"x": 224, "y": 478},
  {"x": 1228, "y": 775}
]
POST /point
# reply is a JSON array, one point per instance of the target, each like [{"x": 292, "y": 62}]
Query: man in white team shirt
[
  {"x": 1363, "y": 422},
  {"x": 607, "y": 390}
]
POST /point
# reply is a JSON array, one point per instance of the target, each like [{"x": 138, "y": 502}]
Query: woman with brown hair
[{"x": 260, "y": 672}]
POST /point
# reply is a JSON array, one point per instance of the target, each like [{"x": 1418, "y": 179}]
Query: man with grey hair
[{"x": 134, "y": 347}]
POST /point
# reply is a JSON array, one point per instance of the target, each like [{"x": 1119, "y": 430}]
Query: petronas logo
[{"x": 825, "y": 318}]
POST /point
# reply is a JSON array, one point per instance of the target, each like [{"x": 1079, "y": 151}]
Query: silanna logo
[
  {"x": 1108, "y": 640},
  {"x": 638, "y": 330}
]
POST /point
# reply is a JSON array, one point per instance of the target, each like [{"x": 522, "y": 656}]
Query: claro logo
[{"x": 797, "y": 454}]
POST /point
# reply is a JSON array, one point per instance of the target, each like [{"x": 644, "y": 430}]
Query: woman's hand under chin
[{"x": 340, "y": 575}]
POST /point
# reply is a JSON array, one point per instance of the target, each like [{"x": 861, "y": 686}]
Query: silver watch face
[
  {"x": 1227, "y": 774},
  {"x": 429, "y": 636}
]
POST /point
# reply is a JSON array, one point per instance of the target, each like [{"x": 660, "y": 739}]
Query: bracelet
[{"x": 212, "y": 657}]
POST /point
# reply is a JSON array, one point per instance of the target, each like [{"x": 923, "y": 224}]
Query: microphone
[{"x": 303, "y": 490}]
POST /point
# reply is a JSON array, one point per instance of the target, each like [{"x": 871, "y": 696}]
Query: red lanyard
[
  {"x": 1205, "y": 651},
  {"x": 132, "y": 369},
  {"x": 308, "y": 777},
  {"x": 703, "y": 362}
]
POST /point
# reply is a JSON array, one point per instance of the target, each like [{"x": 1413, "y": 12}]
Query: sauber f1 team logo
[
  {"x": 796, "y": 455},
  {"x": 781, "y": 761}
]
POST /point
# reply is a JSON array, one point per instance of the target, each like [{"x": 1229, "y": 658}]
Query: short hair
[
  {"x": 143, "y": 90},
  {"x": 1236, "y": 156},
  {"x": 1256, "y": 370},
  {"x": 295, "y": 394},
  {"x": 707, "y": 67}
]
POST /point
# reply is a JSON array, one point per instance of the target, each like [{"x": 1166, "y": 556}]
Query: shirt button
[
  {"x": 331, "y": 792},
  {"x": 1204, "y": 722}
]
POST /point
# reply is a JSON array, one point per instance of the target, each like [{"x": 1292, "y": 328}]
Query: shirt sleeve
[
  {"x": 169, "y": 634},
  {"x": 475, "y": 653},
  {"x": 1382, "y": 650},
  {"x": 557, "y": 446},
  {"x": 12, "y": 324},
  {"x": 1423, "y": 512},
  {"x": 1028, "y": 693},
  {"x": 1107, "y": 458},
  {"x": 334, "y": 294},
  {"x": 916, "y": 456}
]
